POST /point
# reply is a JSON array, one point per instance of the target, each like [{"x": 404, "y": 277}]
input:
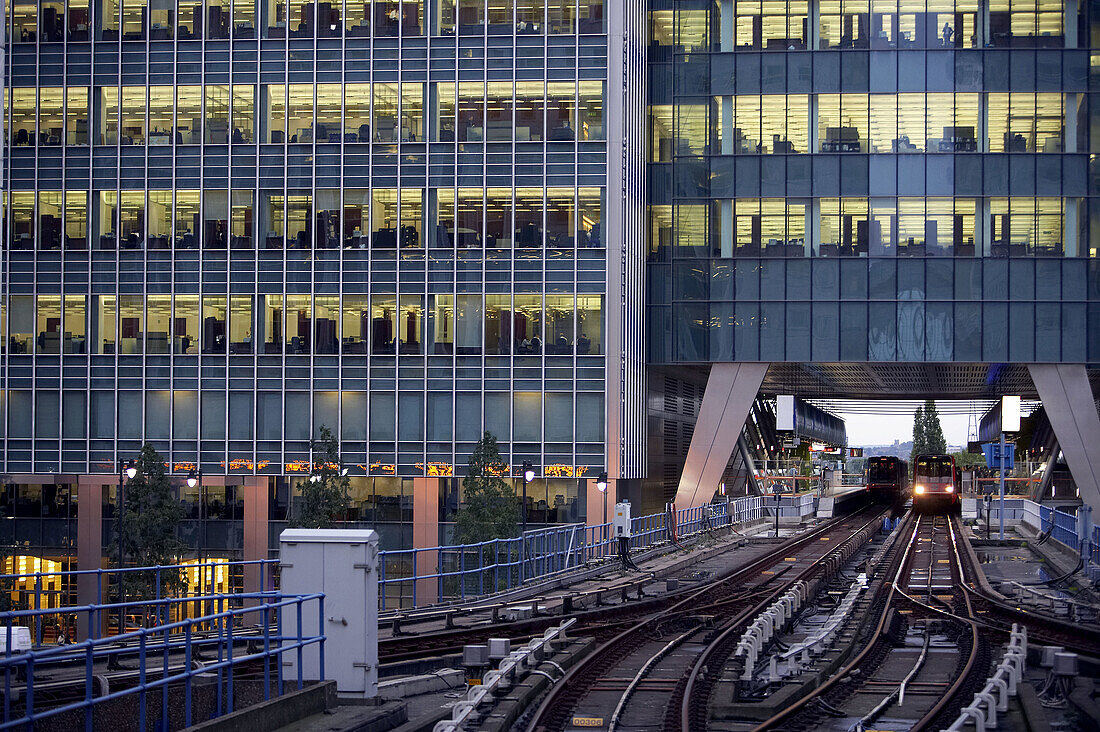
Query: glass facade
[
  {"x": 228, "y": 224},
  {"x": 836, "y": 181}
]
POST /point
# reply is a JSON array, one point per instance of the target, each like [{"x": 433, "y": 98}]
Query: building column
[
  {"x": 255, "y": 490},
  {"x": 731, "y": 390},
  {"x": 426, "y": 536},
  {"x": 89, "y": 545},
  {"x": 1071, "y": 409}
]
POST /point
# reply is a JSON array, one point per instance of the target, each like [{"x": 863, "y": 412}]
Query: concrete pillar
[
  {"x": 89, "y": 544},
  {"x": 731, "y": 390},
  {"x": 426, "y": 536},
  {"x": 1071, "y": 409},
  {"x": 256, "y": 546}
]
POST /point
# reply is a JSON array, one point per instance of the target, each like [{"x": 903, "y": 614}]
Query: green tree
[
  {"x": 151, "y": 514},
  {"x": 325, "y": 495},
  {"x": 489, "y": 508},
  {"x": 968, "y": 460},
  {"x": 920, "y": 442},
  {"x": 933, "y": 431}
]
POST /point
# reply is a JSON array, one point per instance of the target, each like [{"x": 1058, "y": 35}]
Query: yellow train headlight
[
  {"x": 919, "y": 490},
  {"x": 950, "y": 489}
]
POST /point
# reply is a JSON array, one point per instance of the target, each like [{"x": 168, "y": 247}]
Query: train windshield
[
  {"x": 934, "y": 468},
  {"x": 882, "y": 471}
]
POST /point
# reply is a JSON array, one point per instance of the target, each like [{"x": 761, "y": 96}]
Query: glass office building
[
  {"x": 873, "y": 182},
  {"x": 226, "y": 224}
]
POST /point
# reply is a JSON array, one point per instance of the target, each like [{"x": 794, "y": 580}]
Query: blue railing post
[
  {"x": 38, "y": 606},
  {"x": 298, "y": 608},
  {"x": 89, "y": 682},
  {"x": 93, "y": 632},
  {"x": 414, "y": 578},
  {"x": 141, "y": 681},
  {"x": 279, "y": 659},
  {"x": 30, "y": 692},
  {"x": 187, "y": 678},
  {"x": 159, "y": 620},
  {"x": 321, "y": 635},
  {"x": 229, "y": 658},
  {"x": 219, "y": 624},
  {"x": 164, "y": 673},
  {"x": 7, "y": 674},
  {"x": 267, "y": 652}
]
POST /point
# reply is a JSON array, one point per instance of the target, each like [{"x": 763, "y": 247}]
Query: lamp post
[
  {"x": 601, "y": 486},
  {"x": 528, "y": 476},
  {"x": 126, "y": 469},
  {"x": 722, "y": 492},
  {"x": 776, "y": 491}
]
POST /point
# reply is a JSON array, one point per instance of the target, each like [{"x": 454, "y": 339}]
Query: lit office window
[
  {"x": 691, "y": 230},
  {"x": 107, "y": 214},
  {"x": 131, "y": 317},
  {"x": 411, "y": 324},
  {"x": 50, "y": 121},
  {"x": 215, "y": 219},
  {"x": 298, "y": 324},
  {"x": 357, "y": 99},
  {"x": 213, "y": 324},
  {"x": 48, "y": 320},
  {"x": 104, "y": 310},
  {"x": 769, "y": 226},
  {"x": 383, "y": 324},
  {"x": 185, "y": 325},
  {"x": 386, "y": 101},
  {"x": 498, "y": 111},
  {"x": 659, "y": 227},
  {"x": 274, "y": 14},
  {"x": 412, "y": 112},
  {"x": 771, "y": 24},
  {"x": 24, "y": 20},
  {"x": 842, "y": 121},
  {"x": 528, "y": 217},
  {"x": 660, "y": 133},
  {"x": 561, "y": 227},
  {"x": 772, "y": 123},
  {"x": 470, "y": 111},
  {"x": 240, "y": 223},
  {"x": 559, "y": 324},
  {"x": 76, "y": 219},
  {"x": 244, "y": 114},
  {"x": 78, "y": 20},
  {"x": 240, "y": 324},
  {"x": 1026, "y": 24},
  {"x": 327, "y": 205},
  {"x": 471, "y": 17},
  {"x": 75, "y": 334},
  {"x": 22, "y": 116},
  {"x": 273, "y": 108},
  {"x": 498, "y": 325},
  {"x": 299, "y": 220},
  {"x": 357, "y": 19},
  {"x": 76, "y": 115},
  {"x": 561, "y": 111},
  {"x": 188, "y": 115},
  {"x": 187, "y": 219},
  {"x": 20, "y": 324},
  {"x": 356, "y": 316},
  {"x": 50, "y": 220},
  {"x": 530, "y": 16},
  {"x": 1026, "y": 226},
  {"x": 158, "y": 321},
  {"x": 591, "y": 17},
  {"x": 272, "y": 218},
  {"x": 356, "y": 218},
  {"x": 133, "y": 115},
  {"x": 244, "y": 19},
  {"x": 132, "y": 219},
  {"x": 133, "y": 20},
  {"x": 161, "y": 16},
  {"x": 444, "y": 225},
  {"x": 843, "y": 227},
  {"x": 1025, "y": 122},
  {"x": 161, "y": 109},
  {"x": 329, "y": 123},
  {"x": 271, "y": 322},
  {"x": 299, "y": 113},
  {"x": 527, "y": 324},
  {"x": 188, "y": 19},
  {"x": 692, "y": 33},
  {"x": 590, "y": 205},
  {"x": 589, "y": 325},
  {"x": 590, "y": 110},
  {"x": 441, "y": 324},
  {"x": 217, "y": 115},
  {"x": 108, "y": 20},
  {"x": 498, "y": 218},
  {"x": 22, "y": 220},
  {"x": 469, "y": 213},
  {"x": 326, "y": 324},
  {"x": 217, "y": 18}
]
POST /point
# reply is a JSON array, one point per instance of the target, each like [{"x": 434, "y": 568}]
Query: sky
[{"x": 866, "y": 429}]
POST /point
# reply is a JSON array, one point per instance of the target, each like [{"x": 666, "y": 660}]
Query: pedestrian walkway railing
[
  {"x": 467, "y": 571},
  {"x": 1075, "y": 531},
  {"x": 185, "y": 583},
  {"x": 173, "y": 674}
]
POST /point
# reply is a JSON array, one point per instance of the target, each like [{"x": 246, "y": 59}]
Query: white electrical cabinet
[
  {"x": 343, "y": 564},
  {"x": 620, "y": 522}
]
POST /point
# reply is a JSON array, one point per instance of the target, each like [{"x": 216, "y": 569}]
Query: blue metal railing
[
  {"x": 466, "y": 571},
  {"x": 167, "y": 651},
  {"x": 162, "y": 581}
]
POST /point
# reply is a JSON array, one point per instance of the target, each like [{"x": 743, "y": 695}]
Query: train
[
  {"x": 888, "y": 479},
  {"x": 935, "y": 483}
]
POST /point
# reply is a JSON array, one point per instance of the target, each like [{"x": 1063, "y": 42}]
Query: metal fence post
[
  {"x": 321, "y": 634},
  {"x": 229, "y": 657},
  {"x": 142, "y": 692},
  {"x": 267, "y": 652},
  {"x": 187, "y": 678},
  {"x": 38, "y": 606}
]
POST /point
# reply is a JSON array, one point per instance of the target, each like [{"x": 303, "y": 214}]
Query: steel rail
[{"x": 554, "y": 697}]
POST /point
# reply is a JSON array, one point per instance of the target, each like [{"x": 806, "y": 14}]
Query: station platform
[{"x": 800, "y": 506}]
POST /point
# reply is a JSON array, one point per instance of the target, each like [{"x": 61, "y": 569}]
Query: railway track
[
  {"x": 925, "y": 596},
  {"x": 637, "y": 678}
]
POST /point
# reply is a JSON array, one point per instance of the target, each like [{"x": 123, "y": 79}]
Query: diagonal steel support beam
[
  {"x": 1071, "y": 409},
  {"x": 731, "y": 390}
]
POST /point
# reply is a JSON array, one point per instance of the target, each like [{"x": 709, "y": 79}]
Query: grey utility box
[{"x": 343, "y": 564}]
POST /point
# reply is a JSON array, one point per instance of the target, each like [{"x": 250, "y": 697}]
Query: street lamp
[
  {"x": 601, "y": 486},
  {"x": 126, "y": 469},
  {"x": 528, "y": 476},
  {"x": 193, "y": 477}
]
